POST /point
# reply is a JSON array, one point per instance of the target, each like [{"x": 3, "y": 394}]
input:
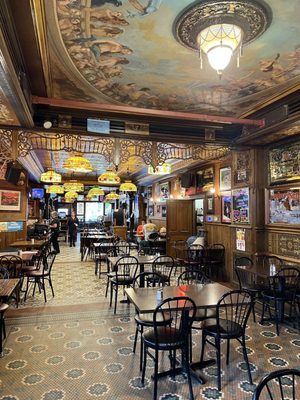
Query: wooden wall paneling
[{"x": 221, "y": 233}]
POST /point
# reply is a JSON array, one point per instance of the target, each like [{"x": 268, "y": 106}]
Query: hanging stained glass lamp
[
  {"x": 109, "y": 178},
  {"x": 95, "y": 191},
  {"x": 77, "y": 163},
  {"x": 57, "y": 189},
  {"x": 128, "y": 186},
  {"x": 71, "y": 195},
  {"x": 112, "y": 196},
  {"x": 73, "y": 186},
  {"x": 50, "y": 177}
]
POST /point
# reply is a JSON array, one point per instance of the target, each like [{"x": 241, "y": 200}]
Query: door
[{"x": 180, "y": 222}]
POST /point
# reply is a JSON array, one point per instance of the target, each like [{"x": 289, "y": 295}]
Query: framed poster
[
  {"x": 157, "y": 209},
  {"x": 241, "y": 239},
  {"x": 204, "y": 179},
  {"x": 226, "y": 209},
  {"x": 242, "y": 168},
  {"x": 163, "y": 211},
  {"x": 284, "y": 164},
  {"x": 225, "y": 179},
  {"x": 284, "y": 206},
  {"x": 240, "y": 205},
  {"x": 210, "y": 204},
  {"x": 164, "y": 191},
  {"x": 10, "y": 200}
]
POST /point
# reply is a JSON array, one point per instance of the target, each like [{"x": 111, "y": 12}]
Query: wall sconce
[
  {"x": 171, "y": 196},
  {"x": 213, "y": 192}
]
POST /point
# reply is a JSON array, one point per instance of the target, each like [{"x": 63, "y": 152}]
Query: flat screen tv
[{"x": 37, "y": 193}]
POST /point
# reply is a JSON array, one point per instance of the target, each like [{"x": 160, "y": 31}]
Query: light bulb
[{"x": 219, "y": 57}]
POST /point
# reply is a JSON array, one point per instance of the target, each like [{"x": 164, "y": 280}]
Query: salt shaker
[{"x": 159, "y": 295}]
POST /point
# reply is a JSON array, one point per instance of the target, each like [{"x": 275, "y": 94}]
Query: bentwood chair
[
  {"x": 166, "y": 336},
  {"x": 163, "y": 266},
  {"x": 214, "y": 260},
  {"x": 196, "y": 277},
  {"x": 195, "y": 255},
  {"x": 232, "y": 313},
  {"x": 124, "y": 274},
  {"x": 279, "y": 385},
  {"x": 282, "y": 290},
  {"x": 180, "y": 248},
  {"x": 41, "y": 275},
  {"x": 11, "y": 265},
  {"x": 243, "y": 267},
  {"x": 145, "y": 279}
]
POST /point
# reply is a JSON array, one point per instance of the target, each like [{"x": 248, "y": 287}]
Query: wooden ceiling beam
[{"x": 143, "y": 112}]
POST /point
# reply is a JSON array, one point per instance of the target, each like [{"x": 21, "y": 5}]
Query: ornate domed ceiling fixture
[
  {"x": 111, "y": 196},
  {"x": 77, "y": 163},
  {"x": 160, "y": 169},
  {"x": 220, "y": 28},
  {"x": 57, "y": 189},
  {"x": 73, "y": 186},
  {"x": 109, "y": 178},
  {"x": 50, "y": 177},
  {"x": 95, "y": 191},
  {"x": 128, "y": 186}
]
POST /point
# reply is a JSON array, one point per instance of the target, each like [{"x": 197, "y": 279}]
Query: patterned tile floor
[{"x": 85, "y": 355}]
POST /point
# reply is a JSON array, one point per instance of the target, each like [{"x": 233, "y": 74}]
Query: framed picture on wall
[
  {"x": 225, "y": 179},
  {"x": 150, "y": 211},
  {"x": 240, "y": 205},
  {"x": 284, "y": 206},
  {"x": 210, "y": 204},
  {"x": 157, "y": 209},
  {"x": 163, "y": 211},
  {"x": 226, "y": 209},
  {"x": 10, "y": 200},
  {"x": 164, "y": 191}
]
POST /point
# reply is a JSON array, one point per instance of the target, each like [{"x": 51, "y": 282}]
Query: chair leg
[
  {"x": 1, "y": 330},
  {"x": 144, "y": 364},
  {"x": 155, "y": 375},
  {"x": 26, "y": 290},
  {"x": 107, "y": 286},
  {"x": 135, "y": 337},
  {"x": 227, "y": 352},
  {"x": 188, "y": 373},
  {"x": 44, "y": 289},
  {"x": 246, "y": 359},
  {"x": 51, "y": 286},
  {"x": 141, "y": 347},
  {"x": 116, "y": 298},
  {"x": 202, "y": 347},
  {"x": 218, "y": 348}
]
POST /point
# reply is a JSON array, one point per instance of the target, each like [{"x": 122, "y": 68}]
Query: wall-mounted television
[{"x": 37, "y": 193}]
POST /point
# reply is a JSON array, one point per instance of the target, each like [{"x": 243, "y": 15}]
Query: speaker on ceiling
[
  {"x": 13, "y": 173},
  {"x": 186, "y": 180}
]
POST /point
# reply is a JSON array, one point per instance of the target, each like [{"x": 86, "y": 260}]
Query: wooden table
[
  {"x": 28, "y": 244},
  {"x": 204, "y": 296},
  {"x": 24, "y": 255},
  {"x": 7, "y": 287}
]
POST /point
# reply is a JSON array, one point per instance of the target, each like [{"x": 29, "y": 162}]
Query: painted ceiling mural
[{"x": 124, "y": 52}]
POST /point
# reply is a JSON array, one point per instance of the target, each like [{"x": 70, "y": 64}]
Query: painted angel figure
[{"x": 143, "y": 11}]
